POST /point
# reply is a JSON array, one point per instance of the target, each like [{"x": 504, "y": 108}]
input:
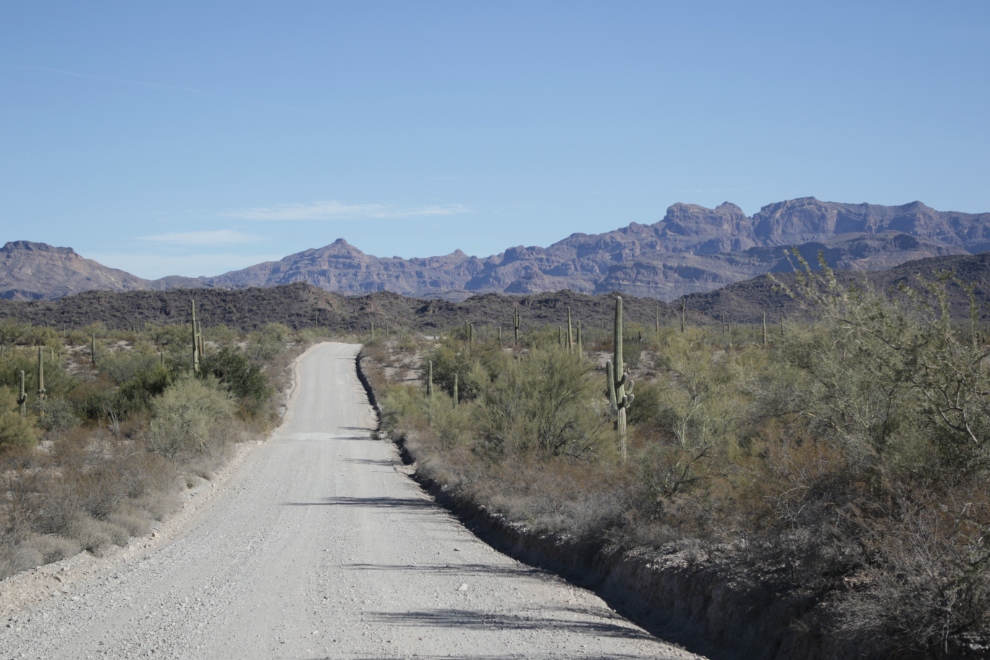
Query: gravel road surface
[{"x": 320, "y": 547}]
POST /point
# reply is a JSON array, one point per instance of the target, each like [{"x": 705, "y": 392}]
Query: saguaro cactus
[
  {"x": 620, "y": 386},
  {"x": 570, "y": 332},
  {"x": 515, "y": 324},
  {"x": 429, "y": 381},
  {"x": 658, "y": 320},
  {"x": 455, "y": 389},
  {"x": 22, "y": 399},
  {"x": 92, "y": 350},
  {"x": 682, "y": 314},
  {"x": 195, "y": 340},
  {"x": 580, "y": 346},
  {"x": 764, "y": 328},
  {"x": 41, "y": 377}
]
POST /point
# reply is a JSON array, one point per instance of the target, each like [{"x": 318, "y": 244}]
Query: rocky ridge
[{"x": 692, "y": 249}]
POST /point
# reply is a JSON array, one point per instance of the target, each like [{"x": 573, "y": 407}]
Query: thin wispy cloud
[
  {"x": 145, "y": 83},
  {"x": 90, "y": 76},
  {"x": 339, "y": 211},
  {"x": 153, "y": 266},
  {"x": 216, "y": 237}
]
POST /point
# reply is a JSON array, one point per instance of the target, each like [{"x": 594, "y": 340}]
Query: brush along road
[{"x": 320, "y": 548}]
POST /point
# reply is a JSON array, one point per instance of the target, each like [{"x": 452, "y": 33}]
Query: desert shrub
[
  {"x": 242, "y": 378},
  {"x": 56, "y": 414},
  {"x": 475, "y": 368},
  {"x": 42, "y": 336},
  {"x": 222, "y": 335},
  {"x": 15, "y": 431},
  {"x": 188, "y": 416},
  {"x": 399, "y": 402},
  {"x": 172, "y": 338},
  {"x": 268, "y": 342},
  {"x": 451, "y": 424},
  {"x": 137, "y": 393},
  {"x": 12, "y": 331},
  {"x": 121, "y": 366},
  {"x": 58, "y": 382},
  {"x": 543, "y": 402}
]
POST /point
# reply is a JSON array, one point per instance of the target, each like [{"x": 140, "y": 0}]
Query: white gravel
[{"x": 319, "y": 546}]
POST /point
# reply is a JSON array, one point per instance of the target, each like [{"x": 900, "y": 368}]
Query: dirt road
[{"x": 320, "y": 548}]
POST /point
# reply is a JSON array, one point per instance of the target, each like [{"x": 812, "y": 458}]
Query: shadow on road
[
  {"x": 372, "y": 503},
  {"x": 455, "y": 569},
  {"x": 538, "y": 620}
]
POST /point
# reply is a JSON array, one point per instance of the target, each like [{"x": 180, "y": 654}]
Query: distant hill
[
  {"x": 37, "y": 271},
  {"x": 302, "y": 305},
  {"x": 745, "y": 302},
  {"x": 692, "y": 249}
]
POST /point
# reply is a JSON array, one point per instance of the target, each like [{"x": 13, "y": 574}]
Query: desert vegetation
[
  {"x": 838, "y": 462},
  {"x": 101, "y": 431}
]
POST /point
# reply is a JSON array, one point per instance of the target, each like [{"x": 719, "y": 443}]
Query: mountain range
[{"x": 692, "y": 249}]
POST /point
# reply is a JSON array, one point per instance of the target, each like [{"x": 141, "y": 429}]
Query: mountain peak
[{"x": 30, "y": 246}]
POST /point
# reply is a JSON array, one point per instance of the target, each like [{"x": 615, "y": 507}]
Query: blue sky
[{"x": 195, "y": 138}]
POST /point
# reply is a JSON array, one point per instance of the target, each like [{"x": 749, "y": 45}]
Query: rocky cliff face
[{"x": 691, "y": 249}]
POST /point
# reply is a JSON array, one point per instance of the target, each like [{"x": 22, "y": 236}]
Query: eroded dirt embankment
[{"x": 710, "y": 607}]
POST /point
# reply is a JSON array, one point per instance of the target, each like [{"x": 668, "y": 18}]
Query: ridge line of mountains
[{"x": 692, "y": 250}]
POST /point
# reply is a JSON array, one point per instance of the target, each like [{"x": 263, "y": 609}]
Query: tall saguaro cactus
[
  {"x": 455, "y": 389},
  {"x": 41, "y": 378},
  {"x": 195, "y": 340},
  {"x": 92, "y": 350},
  {"x": 570, "y": 332},
  {"x": 620, "y": 386},
  {"x": 682, "y": 314},
  {"x": 22, "y": 399},
  {"x": 429, "y": 381},
  {"x": 515, "y": 324}
]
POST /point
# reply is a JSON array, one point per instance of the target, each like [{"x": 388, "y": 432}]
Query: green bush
[
  {"x": 188, "y": 416},
  {"x": 15, "y": 431},
  {"x": 122, "y": 366},
  {"x": 268, "y": 342},
  {"x": 544, "y": 402},
  {"x": 241, "y": 377}
]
